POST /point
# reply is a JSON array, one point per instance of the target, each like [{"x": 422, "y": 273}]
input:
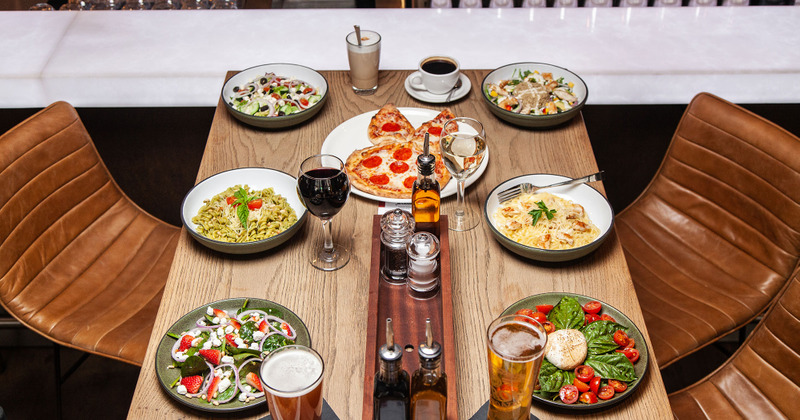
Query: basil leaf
[
  {"x": 601, "y": 344},
  {"x": 567, "y": 314},
  {"x": 598, "y": 328},
  {"x": 193, "y": 365},
  {"x": 551, "y": 378},
  {"x": 612, "y": 366},
  {"x": 242, "y": 213}
]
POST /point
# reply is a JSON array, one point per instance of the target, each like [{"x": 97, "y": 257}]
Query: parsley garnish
[{"x": 536, "y": 214}]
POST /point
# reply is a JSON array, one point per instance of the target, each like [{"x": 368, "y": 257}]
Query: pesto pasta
[{"x": 240, "y": 214}]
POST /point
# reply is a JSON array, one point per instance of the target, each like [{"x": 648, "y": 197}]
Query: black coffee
[{"x": 439, "y": 66}]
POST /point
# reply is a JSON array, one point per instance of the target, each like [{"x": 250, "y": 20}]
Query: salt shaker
[
  {"x": 396, "y": 228},
  {"x": 423, "y": 248}
]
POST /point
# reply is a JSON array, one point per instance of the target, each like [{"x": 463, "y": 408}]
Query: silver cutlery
[
  {"x": 525, "y": 187},
  {"x": 454, "y": 89}
]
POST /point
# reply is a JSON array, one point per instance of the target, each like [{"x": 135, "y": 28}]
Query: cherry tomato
[
  {"x": 306, "y": 90},
  {"x": 548, "y": 327},
  {"x": 539, "y": 317},
  {"x": 621, "y": 338},
  {"x": 526, "y": 312},
  {"x": 607, "y": 317},
  {"x": 591, "y": 318},
  {"x": 582, "y": 386},
  {"x": 255, "y": 204},
  {"x": 631, "y": 343},
  {"x": 568, "y": 394},
  {"x": 618, "y": 386},
  {"x": 588, "y": 398},
  {"x": 592, "y": 307},
  {"x": 594, "y": 385},
  {"x": 304, "y": 101},
  {"x": 230, "y": 200},
  {"x": 606, "y": 392},
  {"x": 631, "y": 354},
  {"x": 584, "y": 373},
  {"x": 276, "y": 96},
  {"x": 545, "y": 309}
]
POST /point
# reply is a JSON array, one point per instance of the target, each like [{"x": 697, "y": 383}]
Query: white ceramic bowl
[
  {"x": 507, "y": 72},
  {"x": 256, "y": 178},
  {"x": 296, "y": 71},
  {"x": 595, "y": 204}
]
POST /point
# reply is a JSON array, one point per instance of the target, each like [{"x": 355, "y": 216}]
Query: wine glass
[
  {"x": 463, "y": 143},
  {"x": 42, "y": 6},
  {"x": 75, "y": 5},
  {"x": 323, "y": 187}
]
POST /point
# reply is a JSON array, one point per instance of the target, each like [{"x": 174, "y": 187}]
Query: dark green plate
[
  {"x": 640, "y": 367},
  {"x": 164, "y": 359}
]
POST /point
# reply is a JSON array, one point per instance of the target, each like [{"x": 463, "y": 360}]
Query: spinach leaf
[
  {"x": 274, "y": 342},
  {"x": 551, "y": 378},
  {"x": 270, "y": 311},
  {"x": 612, "y": 366},
  {"x": 567, "y": 314},
  {"x": 193, "y": 365},
  {"x": 228, "y": 393},
  {"x": 246, "y": 331}
]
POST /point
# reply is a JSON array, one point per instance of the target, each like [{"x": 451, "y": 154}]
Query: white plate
[
  {"x": 351, "y": 135},
  {"x": 257, "y": 179},
  {"x": 425, "y": 96},
  {"x": 596, "y": 205}
]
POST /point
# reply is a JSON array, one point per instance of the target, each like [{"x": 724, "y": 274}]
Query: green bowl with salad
[
  {"x": 615, "y": 363},
  {"x": 535, "y": 95},
  {"x": 275, "y": 95}
]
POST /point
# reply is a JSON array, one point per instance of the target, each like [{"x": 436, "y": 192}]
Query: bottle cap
[
  {"x": 426, "y": 162},
  {"x": 390, "y": 352},
  {"x": 429, "y": 349}
]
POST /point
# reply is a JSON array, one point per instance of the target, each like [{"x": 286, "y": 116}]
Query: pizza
[
  {"x": 389, "y": 125},
  {"x": 433, "y": 128},
  {"x": 389, "y": 169}
]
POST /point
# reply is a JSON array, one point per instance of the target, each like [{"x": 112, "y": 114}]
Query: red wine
[{"x": 324, "y": 191}]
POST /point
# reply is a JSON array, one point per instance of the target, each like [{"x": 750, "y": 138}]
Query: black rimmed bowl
[
  {"x": 509, "y": 71},
  {"x": 167, "y": 375},
  {"x": 596, "y": 206},
  {"x": 640, "y": 367},
  {"x": 286, "y": 70},
  {"x": 257, "y": 179}
]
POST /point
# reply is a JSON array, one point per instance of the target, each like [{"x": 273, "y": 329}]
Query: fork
[{"x": 525, "y": 187}]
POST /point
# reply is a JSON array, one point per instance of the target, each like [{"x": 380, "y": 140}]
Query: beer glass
[
  {"x": 515, "y": 345},
  {"x": 292, "y": 379}
]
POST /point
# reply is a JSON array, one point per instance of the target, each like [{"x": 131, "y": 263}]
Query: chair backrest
[
  {"x": 761, "y": 380},
  {"x": 729, "y": 188}
]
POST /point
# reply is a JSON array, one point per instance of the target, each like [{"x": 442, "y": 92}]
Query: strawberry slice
[
  {"x": 213, "y": 356},
  {"x": 186, "y": 342},
  {"x": 192, "y": 383},
  {"x": 263, "y": 326},
  {"x": 252, "y": 380},
  {"x": 286, "y": 328},
  {"x": 212, "y": 388},
  {"x": 219, "y": 313},
  {"x": 231, "y": 339},
  {"x": 236, "y": 324}
]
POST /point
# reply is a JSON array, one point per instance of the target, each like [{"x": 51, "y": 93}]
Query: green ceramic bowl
[
  {"x": 167, "y": 376},
  {"x": 536, "y": 121},
  {"x": 640, "y": 367},
  {"x": 595, "y": 204},
  {"x": 296, "y": 71}
]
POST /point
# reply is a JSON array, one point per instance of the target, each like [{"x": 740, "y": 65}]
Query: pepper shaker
[{"x": 396, "y": 228}]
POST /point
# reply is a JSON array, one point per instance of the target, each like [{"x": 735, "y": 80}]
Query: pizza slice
[
  {"x": 389, "y": 125},
  {"x": 389, "y": 169},
  {"x": 433, "y": 128}
]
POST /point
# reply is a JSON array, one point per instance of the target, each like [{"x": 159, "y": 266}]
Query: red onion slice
[{"x": 239, "y": 379}]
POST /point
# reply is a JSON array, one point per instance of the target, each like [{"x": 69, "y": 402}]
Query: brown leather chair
[
  {"x": 716, "y": 233},
  {"x": 761, "y": 380},
  {"x": 80, "y": 263}
]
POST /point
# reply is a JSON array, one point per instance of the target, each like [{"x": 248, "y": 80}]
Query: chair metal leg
[{"x": 60, "y": 379}]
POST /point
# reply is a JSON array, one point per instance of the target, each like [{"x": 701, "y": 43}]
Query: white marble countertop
[{"x": 179, "y": 58}]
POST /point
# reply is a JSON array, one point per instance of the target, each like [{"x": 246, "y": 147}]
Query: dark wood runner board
[{"x": 408, "y": 320}]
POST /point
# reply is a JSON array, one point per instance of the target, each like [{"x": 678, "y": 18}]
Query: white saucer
[{"x": 425, "y": 96}]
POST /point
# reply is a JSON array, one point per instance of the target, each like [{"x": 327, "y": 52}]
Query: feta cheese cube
[
  {"x": 254, "y": 346},
  {"x": 226, "y": 360},
  {"x": 181, "y": 390},
  {"x": 258, "y": 335},
  {"x": 223, "y": 385},
  {"x": 238, "y": 341},
  {"x": 229, "y": 329},
  {"x": 242, "y": 396},
  {"x": 209, "y": 311}
]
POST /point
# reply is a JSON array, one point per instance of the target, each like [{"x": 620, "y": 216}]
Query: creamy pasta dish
[
  {"x": 239, "y": 214},
  {"x": 545, "y": 221}
]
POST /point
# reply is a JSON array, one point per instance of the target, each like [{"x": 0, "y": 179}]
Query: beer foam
[
  {"x": 517, "y": 344},
  {"x": 290, "y": 373},
  {"x": 369, "y": 42}
]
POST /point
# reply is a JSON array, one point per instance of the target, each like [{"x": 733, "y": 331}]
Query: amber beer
[
  {"x": 516, "y": 348},
  {"x": 292, "y": 379}
]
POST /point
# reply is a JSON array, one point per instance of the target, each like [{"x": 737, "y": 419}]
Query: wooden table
[{"x": 486, "y": 278}]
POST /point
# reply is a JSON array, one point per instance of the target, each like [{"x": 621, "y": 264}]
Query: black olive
[
  {"x": 263, "y": 108},
  {"x": 288, "y": 96},
  {"x": 281, "y": 113},
  {"x": 236, "y": 88},
  {"x": 263, "y": 80}
]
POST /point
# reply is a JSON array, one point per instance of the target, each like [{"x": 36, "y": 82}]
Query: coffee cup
[{"x": 437, "y": 74}]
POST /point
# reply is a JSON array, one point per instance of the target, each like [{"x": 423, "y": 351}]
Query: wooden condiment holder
[{"x": 408, "y": 315}]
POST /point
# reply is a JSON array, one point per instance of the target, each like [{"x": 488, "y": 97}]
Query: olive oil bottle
[
  {"x": 429, "y": 383},
  {"x": 390, "y": 396},
  {"x": 426, "y": 193}
]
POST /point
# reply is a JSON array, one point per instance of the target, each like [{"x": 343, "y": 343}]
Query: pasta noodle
[
  {"x": 569, "y": 228},
  {"x": 218, "y": 220}
]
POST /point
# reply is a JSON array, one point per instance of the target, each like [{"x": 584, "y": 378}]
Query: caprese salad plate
[
  {"x": 595, "y": 357},
  {"x": 210, "y": 358}
]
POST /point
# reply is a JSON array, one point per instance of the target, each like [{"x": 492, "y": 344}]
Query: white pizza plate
[{"x": 351, "y": 135}]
